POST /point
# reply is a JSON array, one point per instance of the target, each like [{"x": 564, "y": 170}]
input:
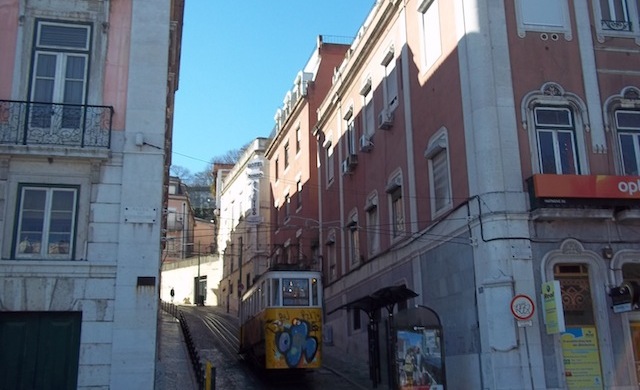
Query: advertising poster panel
[
  {"x": 419, "y": 359},
  {"x": 581, "y": 358}
]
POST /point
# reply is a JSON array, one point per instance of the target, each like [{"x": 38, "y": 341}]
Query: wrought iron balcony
[
  {"x": 70, "y": 125},
  {"x": 616, "y": 25}
]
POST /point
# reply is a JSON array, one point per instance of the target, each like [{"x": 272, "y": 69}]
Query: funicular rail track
[{"x": 224, "y": 332}]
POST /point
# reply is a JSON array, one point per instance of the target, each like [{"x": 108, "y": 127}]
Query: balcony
[{"x": 55, "y": 124}]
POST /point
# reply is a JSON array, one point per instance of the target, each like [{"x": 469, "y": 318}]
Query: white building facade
[
  {"x": 86, "y": 96},
  {"x": 243, "y": 224}
]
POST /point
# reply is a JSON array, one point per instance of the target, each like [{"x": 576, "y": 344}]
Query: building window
[
  {"x": 555, "y": 130},
  {"x": 430, "y": 28},
  {"x": 390, "y": 84},
  {"x": 437, "y": 155},
  {"x": 368, "y": 119},
  {"x": 61, "y": 61},
  {"x": 556, "y": 122},
  {"x": 357, "y": 324},
  {"x": 373, "y": 225},
  {"x": 330, "y": 160},
  {"x": 397, "y": 211},
  {"x": 544, "y": 16},
  {"x": 628, "y": 130},
  {"x": 332, "y": 261},
  {"x": 354, "y": 240},
  {"x": 276, "y": 168},
  {"x": 351, "y": 138},
  {"x": 615, "y": 15},
  {"x": 46, "y": 222},
  {"x": 286, "y": 155},
  {"x": 298, "y": 139},
  {"x": 287, "y": 208},
  {"x": 276, "y": 216},
  {"x": 299, "y": 194},
  {"x": 394, "y": 189}
]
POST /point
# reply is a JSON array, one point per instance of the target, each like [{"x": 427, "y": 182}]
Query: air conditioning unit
[
  {"x": 385, "y": 120},
  {"x": 365, "y": 144},
  {"x": 349, "y": 163},
  {"x": 352, "y": 160},
  {"x": 345, "y": 167}
]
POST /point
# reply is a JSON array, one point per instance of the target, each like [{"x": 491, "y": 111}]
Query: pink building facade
[
  {"x": 292, "y": 155},
  {"x": 86, "y": 98}
]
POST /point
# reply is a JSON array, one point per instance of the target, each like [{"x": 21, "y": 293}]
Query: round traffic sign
[{"x": 522, "y": 307}]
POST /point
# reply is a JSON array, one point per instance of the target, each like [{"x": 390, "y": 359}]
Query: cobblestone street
[{"x": 231, "y": 373}]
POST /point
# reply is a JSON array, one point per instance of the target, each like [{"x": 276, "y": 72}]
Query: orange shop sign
[{"x": 586, "y": 186}]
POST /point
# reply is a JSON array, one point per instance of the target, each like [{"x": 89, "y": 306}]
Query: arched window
[
  {"x": 622, "y": 118},
  {"x": 556, "y": 122}
]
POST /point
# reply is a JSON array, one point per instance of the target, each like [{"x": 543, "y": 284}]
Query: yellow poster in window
[{"x": 581, "y": 357}]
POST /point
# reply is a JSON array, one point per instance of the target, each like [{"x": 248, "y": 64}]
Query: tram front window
[{"x": 295, "y": 292}]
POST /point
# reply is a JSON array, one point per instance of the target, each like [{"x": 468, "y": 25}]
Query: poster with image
[
  {"x": 581, "y": 357},
  {"x": 419, "y": 359}
]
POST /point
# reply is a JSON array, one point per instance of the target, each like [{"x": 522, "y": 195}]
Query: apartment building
[
  {"x": 292, "y": 156},
  {"x": 243, "y": 223},
  {"x": 86, "y": 98},
  {"x": 484, "y": 156}
]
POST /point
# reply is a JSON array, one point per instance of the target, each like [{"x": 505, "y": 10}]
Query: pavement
[{"x": 174, "y": 369}]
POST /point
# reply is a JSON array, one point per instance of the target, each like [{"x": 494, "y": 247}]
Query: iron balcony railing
[{"x": 39, "y": 123}]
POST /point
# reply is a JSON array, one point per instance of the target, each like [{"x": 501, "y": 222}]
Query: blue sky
[{"x": 239, "y": 58}]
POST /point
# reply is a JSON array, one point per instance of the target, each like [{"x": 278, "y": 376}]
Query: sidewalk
[
  {"x": 173, "y": 367},
  {"x": 355, "y": 372}
]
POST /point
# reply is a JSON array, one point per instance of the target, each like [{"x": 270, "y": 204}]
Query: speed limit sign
[{"x": 522, "y": 307}]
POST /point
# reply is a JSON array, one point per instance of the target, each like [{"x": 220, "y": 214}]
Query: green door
[{"x": 40, "y": 350}]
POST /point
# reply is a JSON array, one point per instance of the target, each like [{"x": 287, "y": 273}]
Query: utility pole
[{"x": 199, "y": 295}]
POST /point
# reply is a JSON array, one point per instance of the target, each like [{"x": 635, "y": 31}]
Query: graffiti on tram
[{"x": 293, "y": 340}]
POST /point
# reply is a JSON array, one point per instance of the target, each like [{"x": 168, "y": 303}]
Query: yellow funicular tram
[{"x": 281, "y": 320}]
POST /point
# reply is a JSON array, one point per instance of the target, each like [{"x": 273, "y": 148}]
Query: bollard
[{"x": 210, "y": 376}]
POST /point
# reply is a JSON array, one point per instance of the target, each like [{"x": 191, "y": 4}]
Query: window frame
[
  {"x": 330, "y": 157},
  {"x": 397, "y": 215},
  {"x": 298, "y": 194},
  {"x": 552, "y": 95},
  {"x": 57, "y": 84},
  {"x": 373, "y": 224},
  {"x": 390, "y": 82},
  {"x": 555, "y": 130},
  {"x": 609, "y": 28},
  {"x": 353, "y": 237},
  {"x": 438, "y": 147},
  {"x": 286, "y": 155},
  {"x": 634, "y": 133},
  {"x": 45, "y": 243},
  {"x": 368, "y": 109},
  {"x": 352, "y": 139},
  {"x": 525, "y": 23},
  {"x": 429, "y": 12}
]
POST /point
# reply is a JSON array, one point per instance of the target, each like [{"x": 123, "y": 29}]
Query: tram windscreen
[{"x": 295, "y": 292}]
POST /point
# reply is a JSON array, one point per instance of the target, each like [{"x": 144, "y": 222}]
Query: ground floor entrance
[{"x": 40, "y": 350}]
